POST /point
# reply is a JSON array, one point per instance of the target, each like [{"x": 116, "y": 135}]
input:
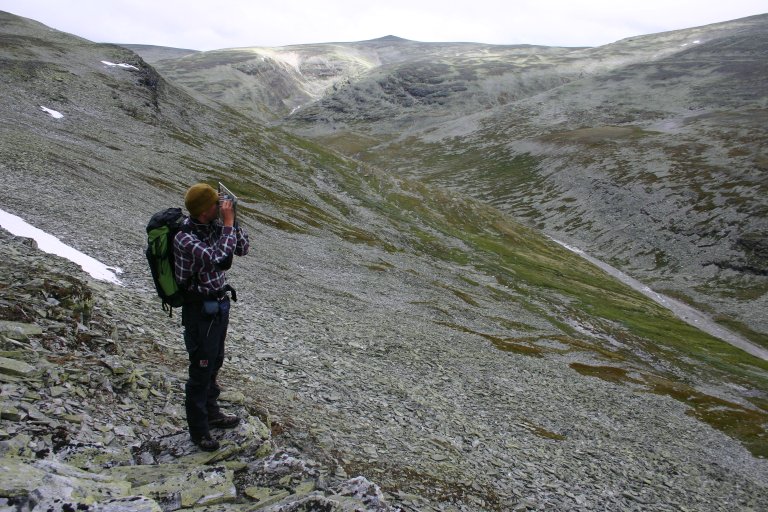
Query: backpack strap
[{"x": 184, "y": 227}]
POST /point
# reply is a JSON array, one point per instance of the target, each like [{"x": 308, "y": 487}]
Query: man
[{"x": 203, "y": 250}]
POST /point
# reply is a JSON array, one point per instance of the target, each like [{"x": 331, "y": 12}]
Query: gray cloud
[{"x": 208, "y": 25}]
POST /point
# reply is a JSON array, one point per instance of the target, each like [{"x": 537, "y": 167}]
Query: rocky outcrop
[{"x": 91, "y": 413}]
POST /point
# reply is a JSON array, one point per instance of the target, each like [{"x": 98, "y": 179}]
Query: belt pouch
[{"x": 211, "y": 307}]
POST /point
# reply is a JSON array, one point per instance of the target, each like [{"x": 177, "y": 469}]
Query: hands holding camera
[
  {"x": 227, "y": 211},
  {"x": 227, "y": 206}
]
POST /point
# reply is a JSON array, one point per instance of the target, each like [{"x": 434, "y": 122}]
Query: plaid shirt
[{"x": 198, "y": 253}]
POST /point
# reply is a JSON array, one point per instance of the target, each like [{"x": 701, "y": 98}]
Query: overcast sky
[{"x": 208, "y": 25}]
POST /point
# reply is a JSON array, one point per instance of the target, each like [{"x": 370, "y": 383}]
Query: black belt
[{"x": 219, "y": 295}]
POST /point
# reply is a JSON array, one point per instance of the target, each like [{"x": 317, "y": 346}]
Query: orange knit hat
[{"x": 199, "y": 198}]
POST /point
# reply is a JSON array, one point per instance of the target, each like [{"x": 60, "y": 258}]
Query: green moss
[
  {"x": 606, "y": 373},
  {"x": 466, "y": 297},
  {"x": 541, "y": 431},
  {"x": 276, "y": 222},
  {"x": 745, "y": 424},
  {"x": 517, "y": 346},
  {"x": 161, "y": 183},
  {"x": 521, "y": 346},
  {"x": 359, "y": 236},
  {"x": 186, "y": 138}
]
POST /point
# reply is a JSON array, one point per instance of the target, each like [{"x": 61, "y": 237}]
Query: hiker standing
[{"x": 204, "y": 249}]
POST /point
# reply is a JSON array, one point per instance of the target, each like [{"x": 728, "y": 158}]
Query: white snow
[
  {"x": 50, "y": 244},
  {"x": 121, "y": 65},
  {"x": 53, "y": 113}
]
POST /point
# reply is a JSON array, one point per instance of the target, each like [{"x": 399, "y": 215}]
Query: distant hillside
[{"x": 152, "y": 54}]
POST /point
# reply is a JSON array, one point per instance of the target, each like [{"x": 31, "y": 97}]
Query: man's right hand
[{"x": 227, "y": 211}]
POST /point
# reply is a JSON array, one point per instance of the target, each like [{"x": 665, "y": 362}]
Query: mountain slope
[
  {"x": 152, "y": 54},
  {"x": 397, "y": 330},
  {"x": 662, "y": 133},
  {"x": 683, "y": 174},
  {"x": 271, "y": 83},
  {"x": 266, "y": 83}
]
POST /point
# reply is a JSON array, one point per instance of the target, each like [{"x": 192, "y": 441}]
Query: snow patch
[
  {"x": 121, "y": 65},
  {"x": 53, "y": 113},
  {"x": 50, "y": 244}
]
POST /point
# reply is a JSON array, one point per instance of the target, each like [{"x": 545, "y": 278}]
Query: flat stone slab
[
  {"x": 18, "y": 330},
  {"x": 16, "y": 368}
]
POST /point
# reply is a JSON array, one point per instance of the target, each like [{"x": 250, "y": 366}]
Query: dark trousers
[{"x": 204, "y": 334}]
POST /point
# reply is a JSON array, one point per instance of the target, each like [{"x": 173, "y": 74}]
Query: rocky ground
[
  {"x": 336, "y": 396},
  {"x": 91, "y": 411}
]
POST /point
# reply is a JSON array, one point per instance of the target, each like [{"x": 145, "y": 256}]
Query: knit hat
[{"x": 200, "y": 198}]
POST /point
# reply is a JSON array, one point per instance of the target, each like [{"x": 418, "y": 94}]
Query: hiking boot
[
  {"x": 223, "y": 421},
  {"x": 206, "y": 443}
]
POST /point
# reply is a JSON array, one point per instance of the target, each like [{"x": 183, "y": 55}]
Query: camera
[{"x": 226, "y": 195}]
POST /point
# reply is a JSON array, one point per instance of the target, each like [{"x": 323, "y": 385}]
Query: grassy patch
[
  {"x": 747, "y": 425},
  {"x": 598, "y": 135},
  {"x": 521, "y": 346},
  {"x": 541, "y": 431},
  {"x": 160, "y": 183},
  {"x": 607, "y": 373}
]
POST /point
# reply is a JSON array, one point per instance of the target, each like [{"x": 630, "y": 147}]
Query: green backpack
[{"x": 161, "y": 230}]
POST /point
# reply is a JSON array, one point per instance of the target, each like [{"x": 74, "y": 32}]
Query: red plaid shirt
[{"x": 198, "y": 253}]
